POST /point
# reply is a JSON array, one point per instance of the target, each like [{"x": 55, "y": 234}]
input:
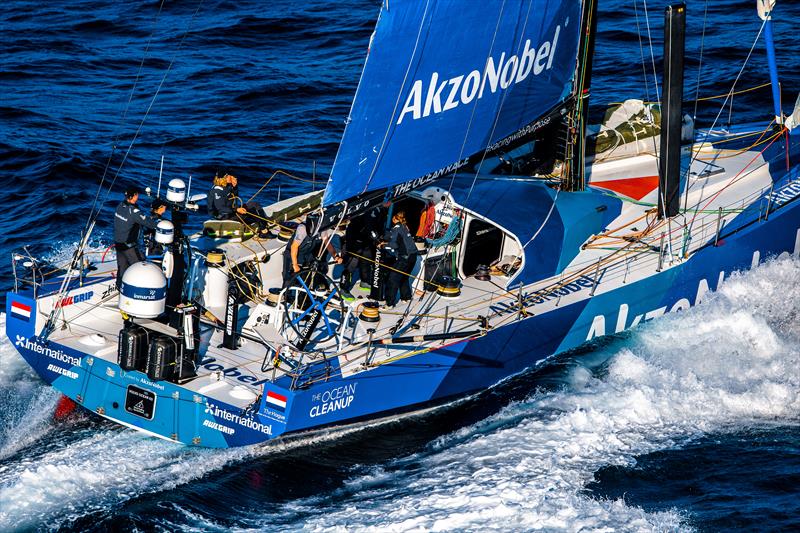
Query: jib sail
[{"x": 447, "y": 79}]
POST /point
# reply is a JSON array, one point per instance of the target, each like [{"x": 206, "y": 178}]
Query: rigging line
[
  {"x": 655, "y": 75},
  {"x": 255, "y": 231},
  {"x": 641, "y": 50},
  {"x": 716, "y": 96},
  {"x": 152, "y": 102},
  {"x": 722, "y": 108},
  {"x": 696, "y": 97},
  {"x": 412, "y": 276},
  {"x": 93, "y": 218},
  {"x": 390, "y": 127},
  {"x": 497, "y": 115},
  {"x": 644, "y": 70},
  {"x": 265, "y": 185},
  {"x": 544, "y": 222},
  {"x": 475, "y": 105},
  {"x": 125, "y": 113},
  {"x": 735, "y": 93},
  {"x": 741, "y": 174},
  {"x": 582, "y": 114},
  {"x": 155, "y": 95},
  {"x": 700, "y": 66},
  {"x": 575, "y": 120},
  {"x": 650, "y": 41}
]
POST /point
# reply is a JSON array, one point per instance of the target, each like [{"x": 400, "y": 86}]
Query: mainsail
[{"x": 446, "y": 79}]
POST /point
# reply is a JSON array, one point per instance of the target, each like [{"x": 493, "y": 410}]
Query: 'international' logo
[
  {"x": 58, "y": 355},
  {"x": 247, "y": 422}
]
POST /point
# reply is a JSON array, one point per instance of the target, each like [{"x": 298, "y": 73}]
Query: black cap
[
  {"x": 157, "y": 204},
  {"x": 131, "y": 191}
]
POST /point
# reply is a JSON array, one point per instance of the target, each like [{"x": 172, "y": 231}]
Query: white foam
[
  {"x": 730, "y": 363},
  {"x": 61, "y": 252},
  {"x": 102, "y": 470},
  {"x": 108, "y": 467},
  {"x": 27, "y": 404}
]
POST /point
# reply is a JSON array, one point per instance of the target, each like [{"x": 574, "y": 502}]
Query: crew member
[
  {"x": 128, "y": 222},
  {"x": 304, "y": 246},
  {"x": 157, "y": 209},
  {"x": 222, "y": 196},
  {"x": 222, "y": 205},
  {"x": 361, "y": 237},
  {"x": 400, "y": 245}
]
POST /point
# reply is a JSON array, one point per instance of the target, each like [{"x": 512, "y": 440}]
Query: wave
[
  {"x": 293, "y": 90},
  {"x": 104, "y": 468},
  {"x": 729, "y": 364},
  {"x": 27, "y": 403},
  {"x": 103, "y": 27}
]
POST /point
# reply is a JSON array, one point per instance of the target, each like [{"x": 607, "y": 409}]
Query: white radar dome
[
  {"x": 176, "y": 191},
  {"x": 143, "y": 293},
  {"x": 165, "y": 232}
]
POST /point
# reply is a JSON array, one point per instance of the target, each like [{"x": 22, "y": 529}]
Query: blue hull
[{"x": 407, "y": 384}]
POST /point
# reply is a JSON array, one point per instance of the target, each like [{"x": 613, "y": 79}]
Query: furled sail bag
[{"x": 629, "y": 128}]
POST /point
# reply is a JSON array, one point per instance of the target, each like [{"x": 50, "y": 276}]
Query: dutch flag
[
  {"x": 21, "y": 311},
  {"x": 276, "y": 401}
]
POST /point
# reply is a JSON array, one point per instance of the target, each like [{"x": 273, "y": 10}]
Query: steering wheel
[{"x": 314, "y": 310}]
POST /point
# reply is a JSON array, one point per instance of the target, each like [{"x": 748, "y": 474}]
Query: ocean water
[{"x": 691, "y": 422}]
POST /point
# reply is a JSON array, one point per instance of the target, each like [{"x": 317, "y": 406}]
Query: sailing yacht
[{"x": 537, "y": 232}]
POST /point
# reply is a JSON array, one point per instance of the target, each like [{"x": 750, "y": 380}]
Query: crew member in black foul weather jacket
[
  {"x": 151, "y": 247},
  {"x": 362, "y": 235},
  {"x": 400, "y": 245},
  {"x": 128, "y": 222},
  {"x": 305, "y": 246},
  {"x": 221, "y": 198}
]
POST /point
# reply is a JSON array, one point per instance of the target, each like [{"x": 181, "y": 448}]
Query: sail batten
[{"x": 446, "y": 80}]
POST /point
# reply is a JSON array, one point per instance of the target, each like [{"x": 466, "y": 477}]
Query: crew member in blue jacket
[
  {"x": 400, "y": 245},
  {"x": 128, "y": 222}
]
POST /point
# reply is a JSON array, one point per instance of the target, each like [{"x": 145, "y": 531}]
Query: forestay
[{"x": 444, "y": 80}]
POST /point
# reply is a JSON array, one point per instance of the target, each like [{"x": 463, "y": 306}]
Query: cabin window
[{"x": 483, "y": 245}]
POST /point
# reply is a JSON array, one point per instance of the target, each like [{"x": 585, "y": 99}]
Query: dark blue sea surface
[{"x": 690, "y": 422}]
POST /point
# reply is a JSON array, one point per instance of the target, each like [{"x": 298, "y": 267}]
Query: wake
[{"x": 728, "y": 364}]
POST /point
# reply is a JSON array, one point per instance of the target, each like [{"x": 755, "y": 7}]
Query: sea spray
[{"x": 726, "y": 365}]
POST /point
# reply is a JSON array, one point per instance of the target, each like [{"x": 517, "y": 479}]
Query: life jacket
[
  {"x": 309, "y": 246},
  {"x": 426, "y": 221}
]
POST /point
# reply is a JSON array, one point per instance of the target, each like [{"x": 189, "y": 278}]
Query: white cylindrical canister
[
  {"x": 165, "y": 232},
  {"x": 168, "y": 264},
  {"x": 143, "y": 292},
  {"x": 215, "y": 293},
  {"x": 176, "y": 191}
]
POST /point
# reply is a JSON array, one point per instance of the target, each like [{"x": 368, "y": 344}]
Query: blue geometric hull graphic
[{"x": 184, "y": 416}]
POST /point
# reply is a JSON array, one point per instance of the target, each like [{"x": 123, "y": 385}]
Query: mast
[
  {"x": 765, "y": 8},
  {"x": 669, "y": 163},
  {"x": 575, "y": 170}
]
